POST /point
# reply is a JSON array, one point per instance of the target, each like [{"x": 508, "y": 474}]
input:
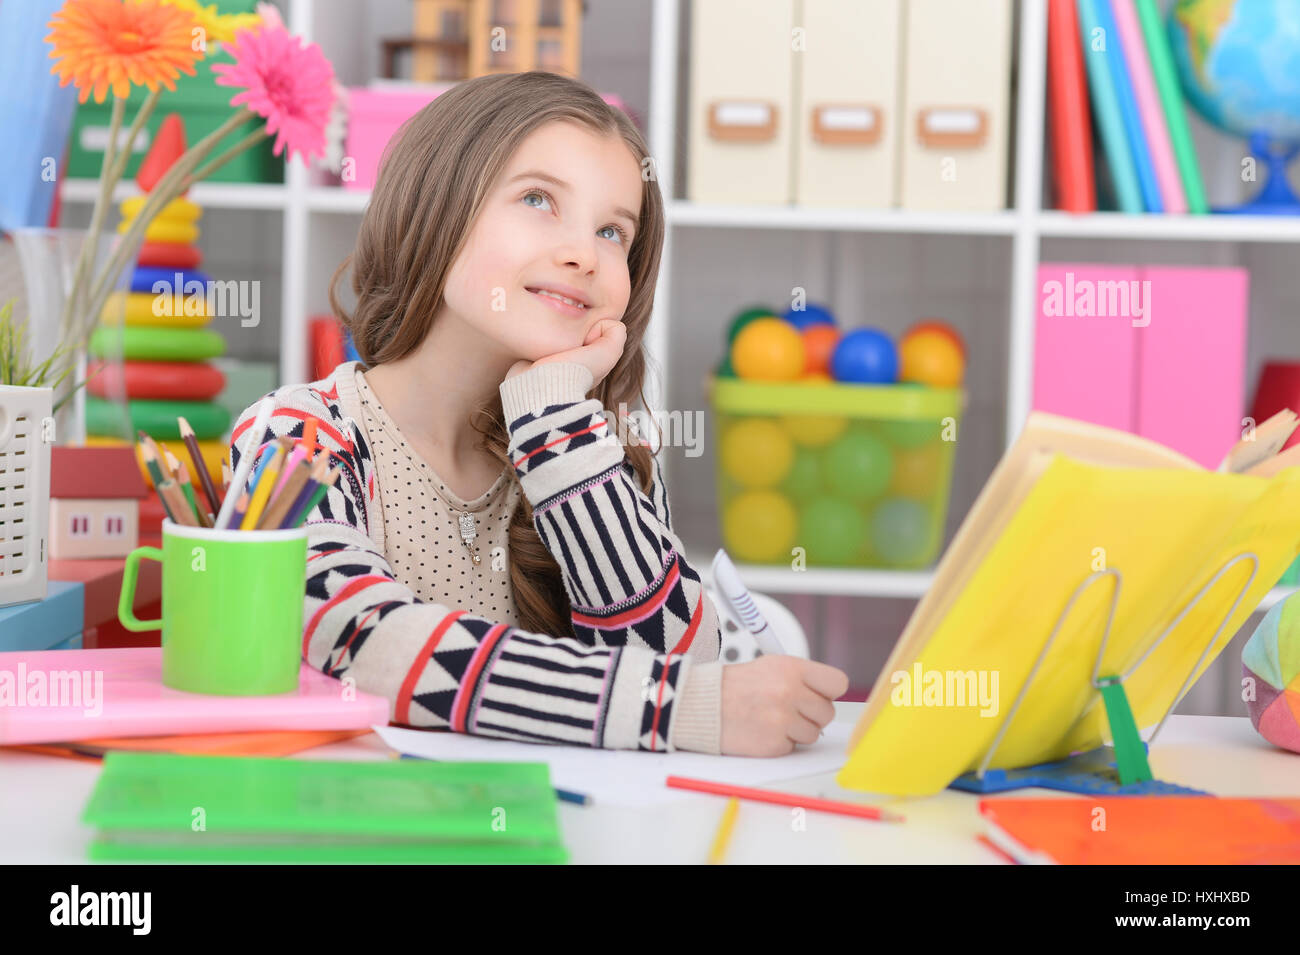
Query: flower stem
[
  {"x": 252, "y": 139},
  {"x": 141, "y": 116},
  {"x": 176, "y": 180},
  {"x": 90, "y": 244}
]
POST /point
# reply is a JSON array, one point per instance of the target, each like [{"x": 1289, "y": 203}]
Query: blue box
[{"x": 45, "y": 624}]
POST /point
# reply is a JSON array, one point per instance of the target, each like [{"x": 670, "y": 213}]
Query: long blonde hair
[{"x": 432, "y": 182}]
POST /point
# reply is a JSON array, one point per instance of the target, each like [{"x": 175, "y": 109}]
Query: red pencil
[{"x": 784, "y": 799}]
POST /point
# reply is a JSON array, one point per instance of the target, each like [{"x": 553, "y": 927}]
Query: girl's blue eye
[
  {"x": 536, "y": 193},
  {"x": 622, "y": 233}
]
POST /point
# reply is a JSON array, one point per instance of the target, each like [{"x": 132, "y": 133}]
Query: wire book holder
[{"x": 1123, "y": 768}]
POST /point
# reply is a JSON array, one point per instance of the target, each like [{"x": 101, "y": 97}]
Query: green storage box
[
  {"x": 835, "y": 475},
  {"x": 202, "y": 105}
]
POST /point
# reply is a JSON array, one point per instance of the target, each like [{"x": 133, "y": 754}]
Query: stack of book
[{"x": 1110, "y": 65}]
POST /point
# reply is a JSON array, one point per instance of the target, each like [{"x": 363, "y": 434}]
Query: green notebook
[{"x": 168, "y": 807}]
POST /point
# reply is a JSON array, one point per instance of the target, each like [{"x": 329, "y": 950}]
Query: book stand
[{"x": 1120, "y": 769}]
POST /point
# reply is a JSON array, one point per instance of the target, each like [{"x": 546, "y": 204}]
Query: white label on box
[
  {"x": 855, "y": 118},
  {"x": 952, "y": 121},
  {"x": 743, "y": 114},
  {"x": 94, "y": 139}
]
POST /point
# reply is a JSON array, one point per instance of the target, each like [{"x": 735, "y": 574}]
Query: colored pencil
[
  {"x": 299, "y": 453},
  {"x": 285, "y": 496},
  {"x": 316, "y": 496},
  {"x": 245, "y": 460},
  {"x": 201, "y": 469},
  {"x": 319, "y": 469},
  {"x": 182, "y": 479},
  {"x": 181, "y": 511},
  {"x": 784, "y": 799},
  {"x": 155, "y": 474},
  {"x": 205, "y": 519},
  {"x": 309, "y": 437},
  {"x": 723, "y": 836},
  {"x": 237, "y": 512},
  {"x": 564, "y": 795},
  {"x": 262, "y": 489}
]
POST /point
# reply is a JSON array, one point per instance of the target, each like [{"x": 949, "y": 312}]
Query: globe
[{"x": 1239, "y": 65}]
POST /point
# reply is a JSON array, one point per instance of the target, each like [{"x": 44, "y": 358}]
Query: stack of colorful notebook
[
  {"x": 167, "y": 807},
  {"x": 1118, "y": 51}
]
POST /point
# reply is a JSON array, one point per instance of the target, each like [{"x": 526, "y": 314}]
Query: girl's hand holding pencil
[{"x": 288, "y": 484}]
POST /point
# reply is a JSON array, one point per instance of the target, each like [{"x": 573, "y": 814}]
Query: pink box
[{"x": 375, "y": 114}]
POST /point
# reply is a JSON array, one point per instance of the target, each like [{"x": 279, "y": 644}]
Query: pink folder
[
  {"x": 1084, "y": 360},
  {"x": 1192, "y": 367},
  {"x": 53, "y": 696},
  {"x": 1158, "y": 351}
]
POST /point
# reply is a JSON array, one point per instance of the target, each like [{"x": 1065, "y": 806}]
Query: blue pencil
[{"x": 564, "y": 795}]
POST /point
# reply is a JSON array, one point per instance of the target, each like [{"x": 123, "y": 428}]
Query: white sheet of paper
[{"x": 625, "y": 777}]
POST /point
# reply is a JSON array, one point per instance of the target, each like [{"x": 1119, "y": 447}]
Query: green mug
[{"x": 232, "y": 604}]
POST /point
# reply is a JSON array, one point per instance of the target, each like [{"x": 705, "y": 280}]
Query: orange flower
[{"x": 110, "y": 44}]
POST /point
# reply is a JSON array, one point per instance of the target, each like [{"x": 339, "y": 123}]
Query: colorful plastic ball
[
  {"x": 943, "y": 328},
  {"x": 832, "y": 531},
  {"x": 759, "y": 526},
  {"x": 931, "y": 358},
  {"x": 808, "y": 316},
  {"x": 746, "y": 316},
  {"x": 817, "y": 378},
  {"x": 804, "y": 481},
  {"x": 756, "y": 452},
  {"x": 768, "y": 349},
  {"x": 900, "y": 531},
  {"x": 813, "y": 430},
  {"x": 819, "y": 343},
  {"x": 724, "y": 369},
  {"x": 857, "y": 466},
  {"x": 917, "y": 471},
  {"x": 865, "y": 356},
  {"x": 910, "y": 434}
]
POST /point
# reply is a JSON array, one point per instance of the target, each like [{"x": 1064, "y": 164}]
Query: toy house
[
  {"x": 460, "y": 39},
  {"x": 95, "y": 496}
]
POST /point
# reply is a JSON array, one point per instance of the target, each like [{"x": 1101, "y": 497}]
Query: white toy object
[{"x": 738, "y": 644}]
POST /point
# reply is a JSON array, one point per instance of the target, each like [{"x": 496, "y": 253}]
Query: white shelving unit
[{"x": 310, "y": 254}]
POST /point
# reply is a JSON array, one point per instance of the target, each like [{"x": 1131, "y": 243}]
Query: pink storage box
[{"x": 375, "y": 114}]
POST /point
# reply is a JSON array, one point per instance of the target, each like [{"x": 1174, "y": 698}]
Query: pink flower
[{"x": 286, "y": 81}]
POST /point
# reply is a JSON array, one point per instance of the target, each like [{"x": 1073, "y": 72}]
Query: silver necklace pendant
[{"x": 468, "y": 533}]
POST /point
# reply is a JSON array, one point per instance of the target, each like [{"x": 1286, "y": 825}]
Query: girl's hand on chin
[{"x": 600, "y": 351}]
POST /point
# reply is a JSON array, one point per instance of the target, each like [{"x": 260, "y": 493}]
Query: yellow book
[{"x": 1067, "y": 500}]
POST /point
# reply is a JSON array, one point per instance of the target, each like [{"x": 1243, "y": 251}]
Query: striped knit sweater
[{"x": 643, "y": 672}]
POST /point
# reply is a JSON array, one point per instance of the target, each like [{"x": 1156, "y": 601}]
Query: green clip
[{"x": 1130, "y": 751}]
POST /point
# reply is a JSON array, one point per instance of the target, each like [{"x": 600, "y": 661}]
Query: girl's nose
[{"x": 578, "y": 252}]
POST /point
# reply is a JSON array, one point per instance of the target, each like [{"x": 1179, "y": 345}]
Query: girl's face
[{"x": 562, "y": 218}]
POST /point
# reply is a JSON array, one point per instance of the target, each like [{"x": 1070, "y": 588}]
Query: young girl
[{"x": 493, "y": 559}]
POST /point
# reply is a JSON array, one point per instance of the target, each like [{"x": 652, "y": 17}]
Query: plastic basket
[
  {"x": 26, "y": 435},
  {"x": 834, "y": 475}
]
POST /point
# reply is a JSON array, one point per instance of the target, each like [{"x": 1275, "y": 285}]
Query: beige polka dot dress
[{"x": 422, "y": 534}]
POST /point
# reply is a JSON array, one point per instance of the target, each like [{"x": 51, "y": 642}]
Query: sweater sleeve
[
  {"x": 624, "y": 570},
  {"x": 443, "y": 667}
]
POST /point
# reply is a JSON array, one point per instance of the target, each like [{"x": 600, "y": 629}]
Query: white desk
[{"x": 41, "y": 799}]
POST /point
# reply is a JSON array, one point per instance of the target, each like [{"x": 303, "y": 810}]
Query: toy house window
[
  {"x": 114, "y": 525},
  {"x": 79, "y": 525}
]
